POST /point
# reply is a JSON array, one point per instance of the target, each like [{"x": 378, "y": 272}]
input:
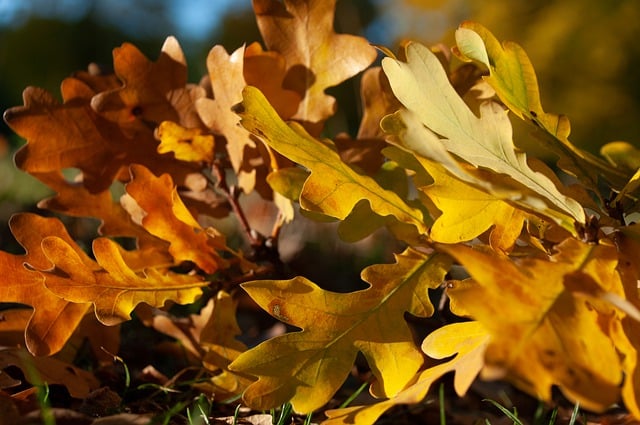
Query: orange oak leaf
[
  {"x": 53, "y": 319},
  {"x": 164, "y": 215},
  {"x": 109, "y": 283},
  {"x": 377, "y": 100},
  {"x": 266, "y": 70},
  {"x": 317, "y": 57},
  {"x": 555, "y": 332},
  {"x": 151, "y": 92},
  {"x": 73, "y": 135},
  {"x": 307, "y": 367}
]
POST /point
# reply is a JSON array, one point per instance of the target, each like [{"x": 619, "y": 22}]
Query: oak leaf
[
  {"x": 307, "y": 367},
  {"x": 109, "y": 283},
  {"x": 512, "y": 75},
  {"x": 466, "y": 341},
  {"x": 266, "y": 70},
  {"x": 422, "y": 86},
  {"x": 53, "y": 319},
  {"x": 333, "y": 188},
  {"x": 317, "y": 58},
  {"x": 554, "y": 333},
  {"x": 164, "y": 215},
  {"x": 151, "y": 92}
]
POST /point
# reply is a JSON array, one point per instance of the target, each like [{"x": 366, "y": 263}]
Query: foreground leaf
[
  {"x": 110, "y": 284},
  {"x": 307, "y": 367},
  {"x": 422, "y": 86},
  {"x": 467, "y": 341},
  {"x": 554, "y": 333},
  {"x": 333, "y": 188},
  {"x": 53, "y": 319}
]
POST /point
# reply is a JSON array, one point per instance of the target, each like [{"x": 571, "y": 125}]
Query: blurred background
[{"x": 586, "y": 53}]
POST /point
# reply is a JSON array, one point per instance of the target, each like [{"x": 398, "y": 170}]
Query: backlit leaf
[
  {"x": 333, "y": 188},
  {"x": 422, "y": 87},
  {"x": 53, "y": 319},
  {"x": 186, "y": 144},
  {"x": 316, "y": 57},
  {"x": 109, "y": 283},
  {"x": 307, "y": 367},
  {"x": 165, "y": 216},
  {"x": 553, "y": 334},
  {"x": 467, "y": 341},
  {"x": 514, "y": 79}
]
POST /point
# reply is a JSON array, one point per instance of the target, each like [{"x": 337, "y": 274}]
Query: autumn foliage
[{"x": 539, "y": 260}]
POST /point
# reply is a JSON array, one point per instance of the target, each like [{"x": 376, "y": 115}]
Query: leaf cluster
[{"x": 539, "y": 262}]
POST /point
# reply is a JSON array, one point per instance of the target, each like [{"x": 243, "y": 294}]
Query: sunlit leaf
[
  {"x": 333, "y": 188},
  {"x": 307, "y": 367}
]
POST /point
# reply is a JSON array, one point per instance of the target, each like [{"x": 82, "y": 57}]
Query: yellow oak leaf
[
  {"x": 466, "y": 341},
  {"x": 512, "y": 76},
  {"x": 53, "y": 319},
  {"x": 333, "y": 188},
  {"x": 423, "y": 88},
  {"x": 467, "y": 212},
  {"x": 165, "y": 216},
  {"x": 187, "y": 144},
  {"x": 109, "y": 283},
  {"x": 547, "y": 328},
  {"x": 307, "y": 367},
  {"x": 317, "y": 58}
]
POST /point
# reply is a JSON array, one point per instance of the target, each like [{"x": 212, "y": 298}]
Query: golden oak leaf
[
  {"x": 514, "y": 80},
  {"x": 307, "y": 367},
  {"x": 164, "y": 215},
  {"x": 333, "y": 188},
  {"x": 423, "y": 87},
  {"x": 266, "y": 70},
  {"x": 317, "y": 57},
  {"x": 151, "y": 91},
  {"x": 110, "y": 284},
  {"x": 554, "y": 334},
  {"x": 467, "y": 341},
  {"x": 187, "y": 144},
  {"x": 467, "y": 212},
  {"x": 626, "y": 331},
  {"x": 53, "y": 319},
  {"x": 51, "y": 371}
]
